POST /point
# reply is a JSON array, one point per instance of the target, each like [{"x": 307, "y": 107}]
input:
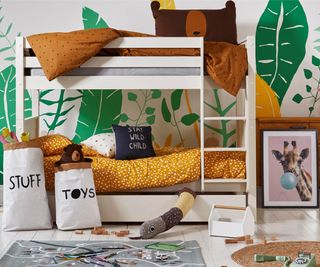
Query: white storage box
[{"x": 230, "y": 221}]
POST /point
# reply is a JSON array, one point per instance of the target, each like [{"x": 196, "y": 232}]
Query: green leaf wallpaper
[
  {"x": 99, "y": 110},
  {"x": 281, "y": 37},
  {"x": 287, "y": 62}
]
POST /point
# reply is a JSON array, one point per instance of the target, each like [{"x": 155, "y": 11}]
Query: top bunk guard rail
[{"x": 124, "y": 82}]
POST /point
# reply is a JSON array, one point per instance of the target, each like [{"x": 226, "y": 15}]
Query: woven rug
[
  {"x": 245, "y": 256},
  {"x": 99, "y": 253}
]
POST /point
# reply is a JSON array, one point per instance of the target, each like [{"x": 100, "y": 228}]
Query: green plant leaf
[
  {"x": 8, "y": 104},
  {"x": 308, "y": 88},
  {"x": 124, "y": 117},
  {"x": 10, "y": 58},
  {"x": 297, "y": 98},
  {"x": 151, "y": 119},
  {"x": 281, "y": 37},
  {"x": 92, "y": 20},
  {"x": 150, "y": 110},
  {"x": 189, "y": 119},
  {"x": 156, "y": 94},
  {"x": 60, "y": 111},
  {"x": 311, "y": 109},
  {"x": 43, "y": 93},
  {"x": 5, "y": 49},
  {"x": 307, "y": 73},
  {"x": 176, "y": 99},
  {"x": 132, "y": 97},
  {"x": 165, "y": 111},
  {"x": 8, "y": 29},
  {"x": 315, "y": 61},
  {"x": 98, "y": 111}
]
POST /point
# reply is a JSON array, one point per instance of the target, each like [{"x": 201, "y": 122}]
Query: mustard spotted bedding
[{"x": 171, "y": 166}]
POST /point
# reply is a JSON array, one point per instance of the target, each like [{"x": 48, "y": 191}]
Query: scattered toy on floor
[
  {"x": 150, "y": 229},
  {"x": 72, "y": 153},
  {"x": 247, "y": 239},
  {"x": 304, "y": 259}
]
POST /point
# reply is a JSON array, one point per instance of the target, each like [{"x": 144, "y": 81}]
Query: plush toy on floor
[
  {"x": 150, "y": 229},
  {"x": 72, "y": 153}
]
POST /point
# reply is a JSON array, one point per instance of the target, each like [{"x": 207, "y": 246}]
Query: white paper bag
[
  {"x": 76, "y": 200},
  {"x": 24, "y": 195}
]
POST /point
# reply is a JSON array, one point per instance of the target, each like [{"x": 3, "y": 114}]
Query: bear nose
[{"x": 196, "y": 33}]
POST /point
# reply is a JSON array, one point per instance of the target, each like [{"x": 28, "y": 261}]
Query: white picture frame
[{"x": 290, "y": 168}]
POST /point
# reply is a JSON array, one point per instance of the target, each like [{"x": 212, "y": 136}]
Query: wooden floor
[{"x": 286, "y": 224}]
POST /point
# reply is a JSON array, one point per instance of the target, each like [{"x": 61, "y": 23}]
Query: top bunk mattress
[{"x": 125, "y": 72}]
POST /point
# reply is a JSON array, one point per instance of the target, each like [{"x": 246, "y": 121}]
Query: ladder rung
[
  {"x": 212, "y": 149},
  {"x": 225, "y": 181},
  {"x": 241, "y": 118}
]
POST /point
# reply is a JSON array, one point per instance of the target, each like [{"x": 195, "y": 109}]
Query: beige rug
[{"x": 245, "y": 256}]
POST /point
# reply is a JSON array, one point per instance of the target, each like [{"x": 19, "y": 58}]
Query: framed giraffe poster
[{"x": 290, "y": 168}]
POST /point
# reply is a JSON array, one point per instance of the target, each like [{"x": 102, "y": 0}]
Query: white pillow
[{"x": 103, "y": 143}]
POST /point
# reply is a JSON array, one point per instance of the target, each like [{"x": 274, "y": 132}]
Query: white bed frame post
[
  {"x": 20, "y": 85},
  {"x": 251, "y": 127},
  {"x": 202, "y": 116}
]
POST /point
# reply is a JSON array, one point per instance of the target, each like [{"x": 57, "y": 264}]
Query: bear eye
[{"x": 152, "y": 228}]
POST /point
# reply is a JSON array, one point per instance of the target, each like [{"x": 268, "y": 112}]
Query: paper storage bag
[
  {"x": 25, "y": 201},
  {"x": 76, "y": 200}
]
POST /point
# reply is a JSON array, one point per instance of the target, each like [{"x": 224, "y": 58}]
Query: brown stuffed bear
[{"x": 72, "y": 153}]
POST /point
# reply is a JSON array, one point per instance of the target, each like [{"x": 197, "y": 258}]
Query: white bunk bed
[{"x": 131, "y": 207}]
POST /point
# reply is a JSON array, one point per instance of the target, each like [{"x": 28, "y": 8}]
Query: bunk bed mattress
[
  {"x": 170, "y": 167},
  {"x": 185, "y": 71}
]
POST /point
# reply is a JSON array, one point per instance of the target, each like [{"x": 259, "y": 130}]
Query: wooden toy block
[
  {"x": 230, "y": 241},
  {"x": 241, "y": 238},
  {"x": 126, "y": 232},
  {"x": 78, "y": 232},
  {"x": 119, "y": 234}
]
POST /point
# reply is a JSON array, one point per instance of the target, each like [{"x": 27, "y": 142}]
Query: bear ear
[
  {"x": 155, "y": 6},
  {"x": 230, "y": 4},
  {"x": 66, "y": 148}
]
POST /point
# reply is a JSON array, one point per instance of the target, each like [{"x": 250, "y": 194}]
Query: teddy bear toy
[{"x": 72, "y": 153}]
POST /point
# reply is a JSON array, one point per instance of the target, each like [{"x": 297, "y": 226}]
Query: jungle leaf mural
[
  {"x": 99, "y": 110},
  {"x": 222, "y": 112},
  {"x": 92, "y": 20},
  {"x": 146, "y": 113},
  {"x": 170, "y": 116},
  {"x": 311, "y": 94},
  {"x": 267, "y": 103},
  {"x": 8, "y": 45},
  {"x": 281, "y": 37},
  {"x": 59, "y": 116},
  {"x": 7, "y": 104}
]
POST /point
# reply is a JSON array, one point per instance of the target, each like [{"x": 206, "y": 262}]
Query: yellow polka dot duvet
[{"x": 171, "y": 166}]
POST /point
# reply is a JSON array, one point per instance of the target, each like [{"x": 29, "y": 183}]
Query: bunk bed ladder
[{"x": 245, "y": 127}]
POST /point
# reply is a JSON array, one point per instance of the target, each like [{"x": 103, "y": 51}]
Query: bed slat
[
  {"x": 152, "y": 42},
  {"x": 130, "y": 62},
  {"x": 113, "y": 82}
]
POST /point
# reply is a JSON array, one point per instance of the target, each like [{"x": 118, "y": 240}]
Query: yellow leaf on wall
[
  {"x": 267, "y": 104},
  {"x": 167, "y": 4}
]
